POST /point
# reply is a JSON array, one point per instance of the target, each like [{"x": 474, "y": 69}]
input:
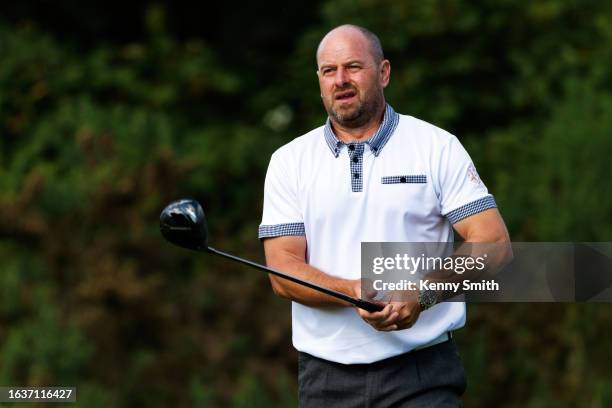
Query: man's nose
[{"x": 342, "y": 77}]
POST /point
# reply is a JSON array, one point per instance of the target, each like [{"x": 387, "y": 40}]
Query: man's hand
[
  {"x": 406, "y": 305},
  {"x": 401, "y": 312},
  {"x": 383, "y": 320}
]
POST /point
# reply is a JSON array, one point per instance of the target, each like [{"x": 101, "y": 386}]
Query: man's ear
[{"x": 385, "y": 73}]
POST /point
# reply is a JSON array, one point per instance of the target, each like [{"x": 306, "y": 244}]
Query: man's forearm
[
  {"x": 498, "y": 255},
  {"x": 301, "y": 294},
  {"x": 484, "y": 233}
]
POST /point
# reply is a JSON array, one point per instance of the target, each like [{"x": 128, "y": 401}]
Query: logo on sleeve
[{"x": 473, "y": 175}]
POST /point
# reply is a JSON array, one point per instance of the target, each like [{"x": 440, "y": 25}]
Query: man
[{"x": 369, "y": 174}]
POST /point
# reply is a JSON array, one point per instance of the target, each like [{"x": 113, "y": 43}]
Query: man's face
[{"x": 350, "y": 79}]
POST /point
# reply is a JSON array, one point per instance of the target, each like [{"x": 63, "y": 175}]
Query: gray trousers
[{"x": 431, "y": 377}]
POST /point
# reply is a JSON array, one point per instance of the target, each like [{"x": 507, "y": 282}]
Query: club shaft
[{"x": 363, "y": 304}]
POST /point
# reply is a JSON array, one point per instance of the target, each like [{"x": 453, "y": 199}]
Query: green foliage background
[{"x": 96, "y": 139}]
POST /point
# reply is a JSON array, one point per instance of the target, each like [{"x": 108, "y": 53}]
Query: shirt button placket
[{"x": 356, "y": 164}]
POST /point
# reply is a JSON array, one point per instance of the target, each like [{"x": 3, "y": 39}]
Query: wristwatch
[{"x": 427, "y": 299}]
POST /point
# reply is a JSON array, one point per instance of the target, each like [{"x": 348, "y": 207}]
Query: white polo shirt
[{"x": 408, "y": 183}]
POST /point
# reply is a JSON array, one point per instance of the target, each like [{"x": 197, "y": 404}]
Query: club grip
[{"x": 369, "y": 306}]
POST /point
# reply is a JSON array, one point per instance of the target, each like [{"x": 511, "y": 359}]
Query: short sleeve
[
  {"x": 462, "y": 192},
  {"x": 281, "y": 210}
]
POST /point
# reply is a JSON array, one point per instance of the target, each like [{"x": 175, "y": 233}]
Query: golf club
[{"x": 183, "y": 223}]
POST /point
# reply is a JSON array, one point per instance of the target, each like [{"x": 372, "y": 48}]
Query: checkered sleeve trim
[
  {"x": 279, "y": 230},
  {"x": 471, "y": 208},
  {"x": 418, "y": 179}
]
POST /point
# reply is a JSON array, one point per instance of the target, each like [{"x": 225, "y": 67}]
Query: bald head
[
  {"x": 352, "y": 76},
  {"x": 355, "y": 33}
]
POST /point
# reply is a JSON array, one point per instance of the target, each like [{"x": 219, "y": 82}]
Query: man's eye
[
  {"x": 327, "y": 71},
  {"x": 354, "y": 68}
]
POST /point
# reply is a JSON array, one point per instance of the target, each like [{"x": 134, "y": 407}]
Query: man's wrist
[{"x": 427, "y": 298}]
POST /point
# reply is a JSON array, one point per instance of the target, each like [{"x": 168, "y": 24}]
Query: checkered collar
[{"x": 376, "y": 142}]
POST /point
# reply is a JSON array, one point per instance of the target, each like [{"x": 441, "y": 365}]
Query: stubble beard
[{"x": 359, "y": 116}]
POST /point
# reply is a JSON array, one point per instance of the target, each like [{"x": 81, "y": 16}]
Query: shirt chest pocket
[
  {"x": 407, "y": 195},
  {"x": 404, "y": 179}
]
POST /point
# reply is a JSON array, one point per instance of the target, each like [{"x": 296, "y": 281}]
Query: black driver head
[{"x": 183, "y": 223}]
